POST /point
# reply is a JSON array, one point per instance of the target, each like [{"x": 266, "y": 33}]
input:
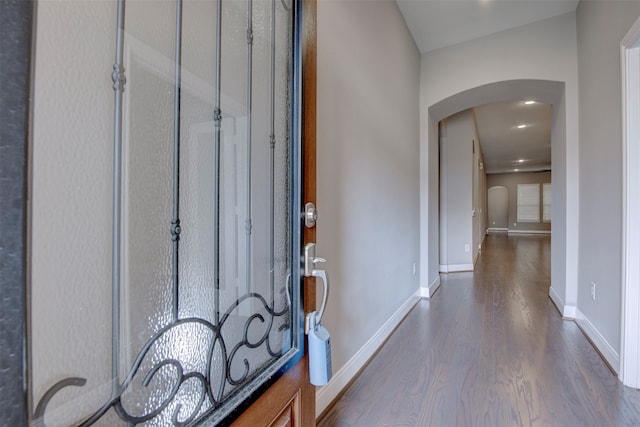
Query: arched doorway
[{"x": 564, "y": 253}]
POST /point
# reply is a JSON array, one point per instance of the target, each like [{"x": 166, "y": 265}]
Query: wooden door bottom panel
[
  {"x": 290, "y": 415},
  {"x": 281, "y": 405}
]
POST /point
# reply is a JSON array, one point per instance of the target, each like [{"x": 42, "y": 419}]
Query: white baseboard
[
  {"x": 570, "y": 312},
  {"x": 428, "y": 291},
  {"x": 433, "y": 287},
  {"x": 497, "y": 230},
  {"x": 557, "y": 301},
  {"x": 326, "y": 394},
  {"x": 454, "y": 268},
  {"x": 423, "y": 292},
  {"x": 606, "y": 350},
  {"x": 567, "y": 311},
  {"x": 529, "y": 232}
]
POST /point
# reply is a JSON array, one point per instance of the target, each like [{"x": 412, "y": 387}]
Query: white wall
[
  {"x": 462, "y": 193},
  {"x": 368, "y": 168},
  {"x": 544, "y": 53},
  {"x": 456, "y": 203},
  {"x": 498, "y": 207},
  {"x": 600, "y": 27}
]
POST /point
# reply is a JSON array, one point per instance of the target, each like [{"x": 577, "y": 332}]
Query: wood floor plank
[{"x": 489, "y": 349}]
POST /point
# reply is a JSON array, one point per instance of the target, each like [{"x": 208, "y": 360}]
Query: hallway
[{"x": 489, "y": 349}]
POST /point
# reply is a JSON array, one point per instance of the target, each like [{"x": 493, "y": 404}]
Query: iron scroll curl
[{"x": 213, "y": 385}]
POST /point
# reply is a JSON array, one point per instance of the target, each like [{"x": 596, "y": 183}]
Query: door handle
[
  {"x": 320, "y": 370},
  {"x": 322, "y": 275},
  {"x": 310, "y": 270}
]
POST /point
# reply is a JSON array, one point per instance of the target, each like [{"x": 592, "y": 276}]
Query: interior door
[{"x": 166, "y": 231}]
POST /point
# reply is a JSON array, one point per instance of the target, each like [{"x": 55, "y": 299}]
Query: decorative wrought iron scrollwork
[{"x": 214, "y": 388}]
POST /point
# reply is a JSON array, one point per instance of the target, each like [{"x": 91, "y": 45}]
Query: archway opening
[{"x": 563, "y": 250}]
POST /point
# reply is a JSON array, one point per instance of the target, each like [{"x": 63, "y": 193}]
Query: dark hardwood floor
[{"x": 489, "y": 349}]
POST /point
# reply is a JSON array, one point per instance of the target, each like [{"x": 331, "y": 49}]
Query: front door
[
  {"x": 166, "y": 228},
  {"x": 290, "y": 402}
]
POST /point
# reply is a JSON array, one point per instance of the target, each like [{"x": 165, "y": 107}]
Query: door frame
[{"x": 630, "y": 340}]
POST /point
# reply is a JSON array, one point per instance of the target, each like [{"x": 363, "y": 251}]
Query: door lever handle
[
  {"x": 310, "y": 259},
  {"x": 322, "y": 275},
  {"x": 318, "y": 337},
  {"x": 310, "y": 270}
]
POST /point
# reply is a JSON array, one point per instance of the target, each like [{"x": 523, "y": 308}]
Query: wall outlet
[
  {"x": 414, "y": 269},
  {"x": 593, "y": 291},
  {"x": 494, "y": 223},
  {"x": 515, "y": 224},
  {"x": 466, "y": 247}
]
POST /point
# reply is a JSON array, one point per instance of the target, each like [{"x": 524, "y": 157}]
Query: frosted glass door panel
[{"x": 198, "y": 200}]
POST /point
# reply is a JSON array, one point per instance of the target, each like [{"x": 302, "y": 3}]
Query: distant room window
[
  {"x": 528, "y": 202},
  {"x": 546, "y": 202}
]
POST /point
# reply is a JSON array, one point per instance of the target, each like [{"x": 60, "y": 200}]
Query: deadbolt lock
[{"x": 310, "y": 215}]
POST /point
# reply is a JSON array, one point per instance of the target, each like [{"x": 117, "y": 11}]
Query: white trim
[
  {"x": 567, "y": 311},
  {"x": 455, "y": 268},
  {"x": 630, "y": 316},
  {"x": 325, "y": 395},
  {"x": 433, "y": 287},
  {"x": 430, "y": 290},
  {"x": 424, "y": 292},
  {"x": 497, "y": 230},
  {"x": 475, "y": 258},
  {"x": 529, "y": 231},
  {"x": 602, "y": 345}
]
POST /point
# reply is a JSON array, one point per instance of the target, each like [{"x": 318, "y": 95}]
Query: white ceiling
[
  {"x": 505, "y": 146},
  {"x": 436, "y": 24},
  {"x": 440, "y": 23}
]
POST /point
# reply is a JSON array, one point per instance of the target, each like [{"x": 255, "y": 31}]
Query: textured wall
[{"x": 15, "y": 58}]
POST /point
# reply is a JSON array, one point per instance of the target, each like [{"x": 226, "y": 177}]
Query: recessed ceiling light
[
  {"x": 521, "y": 126},
  {"x": 529, "y": 102},
  {"x": 521, "y": 161},
  {"x": 516, "y": 170}
]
